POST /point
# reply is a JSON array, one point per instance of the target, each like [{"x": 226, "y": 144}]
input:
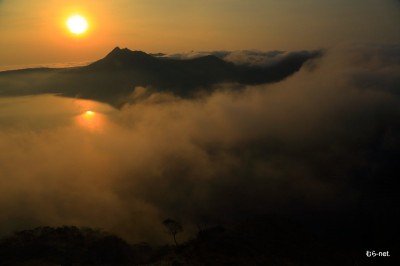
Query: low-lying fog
[{"x": 313, "y": 141}]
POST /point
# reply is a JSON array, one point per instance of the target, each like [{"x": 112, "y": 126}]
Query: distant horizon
[
  {"x": 76, "y": 63},
  {"x": 46, "y": 65},
  {"x": 79, "y": 63}
]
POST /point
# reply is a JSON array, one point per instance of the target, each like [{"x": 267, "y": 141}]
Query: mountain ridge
[{"x": 113, "y": 78}]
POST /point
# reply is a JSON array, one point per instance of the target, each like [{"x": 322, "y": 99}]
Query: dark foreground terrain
[{"x": 272, "y": 240}]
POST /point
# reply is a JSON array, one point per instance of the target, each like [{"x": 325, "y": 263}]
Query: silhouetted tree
[{"x": 173, "y": 227}]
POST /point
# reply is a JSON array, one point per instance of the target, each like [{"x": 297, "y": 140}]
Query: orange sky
[{"x": 34, "y": 32}]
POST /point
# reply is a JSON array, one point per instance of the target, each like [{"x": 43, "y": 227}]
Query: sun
[{"x": 77, "y": 24}]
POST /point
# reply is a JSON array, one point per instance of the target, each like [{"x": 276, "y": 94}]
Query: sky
[{"x": 34, "y": 32}]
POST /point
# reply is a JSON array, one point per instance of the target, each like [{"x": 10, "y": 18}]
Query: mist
[{"x": 318, "y": 141}]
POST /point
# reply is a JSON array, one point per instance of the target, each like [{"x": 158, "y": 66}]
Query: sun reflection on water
[{"x": 91, "y": 120}]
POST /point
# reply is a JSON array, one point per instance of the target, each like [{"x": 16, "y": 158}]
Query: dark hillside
[{"x": 113, "y": 78}]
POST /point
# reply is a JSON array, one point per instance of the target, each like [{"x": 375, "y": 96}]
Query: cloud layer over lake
[{"x": 324, "y": 139}]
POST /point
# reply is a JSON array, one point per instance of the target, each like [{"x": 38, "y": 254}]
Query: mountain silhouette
[
  {"x": 124, "y": 59},
  {"x": 113, "y": 78}
]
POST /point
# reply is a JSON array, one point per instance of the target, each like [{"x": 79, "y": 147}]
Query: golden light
[
  {"x": 77, "y": 24},
  {"x": 91, "y": 120}
]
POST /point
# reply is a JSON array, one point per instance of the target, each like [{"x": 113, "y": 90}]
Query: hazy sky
[{"x": 34, "y": 32}]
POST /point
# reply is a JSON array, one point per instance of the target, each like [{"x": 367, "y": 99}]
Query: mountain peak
[
  {"x": 115, "y": 50},
  {"x": 118, "y": 51},
  {"x": 123, "y": 58}
]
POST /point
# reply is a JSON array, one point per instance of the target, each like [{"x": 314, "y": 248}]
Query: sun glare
[{"x": 77, "y": 24}]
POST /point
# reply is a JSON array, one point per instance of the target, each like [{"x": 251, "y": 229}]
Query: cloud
[
  {"x": 241, "y": 57},
  {"x": 195, "y": 54},
  {"x": 318, "y": 142}
]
